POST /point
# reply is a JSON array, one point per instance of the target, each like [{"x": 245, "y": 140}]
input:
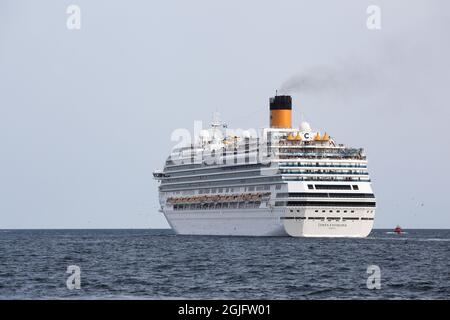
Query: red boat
[{"x": 398, "y": 230}]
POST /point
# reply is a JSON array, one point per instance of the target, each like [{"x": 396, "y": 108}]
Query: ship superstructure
[{"x": 278, "y": 181}]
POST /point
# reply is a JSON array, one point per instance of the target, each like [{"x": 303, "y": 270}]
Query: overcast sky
[{"x": 86, "y": 115}]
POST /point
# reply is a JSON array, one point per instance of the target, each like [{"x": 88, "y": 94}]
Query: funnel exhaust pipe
[{"x": 281, "y": 112}]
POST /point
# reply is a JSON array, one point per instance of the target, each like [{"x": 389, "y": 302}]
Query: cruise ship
[{"x": 275, "y": 181}]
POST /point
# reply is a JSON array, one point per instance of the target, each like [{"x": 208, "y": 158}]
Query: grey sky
[{"x": 86, "y": 116}]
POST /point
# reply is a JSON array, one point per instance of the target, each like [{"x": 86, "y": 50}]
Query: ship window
[
  {"x": 310, "y": 186},
  {"x": 355, "y": 187},
  {"x": 316, "y": 210},
  {"x": 333, "y": 187},
  {"x": 278, "y": 187}
]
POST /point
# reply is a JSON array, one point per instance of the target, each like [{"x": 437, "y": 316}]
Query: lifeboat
[
  {"x": 326, "y": 137},
  {"x": 298, "y": 137},
  {"x": 290, "y": 137}
]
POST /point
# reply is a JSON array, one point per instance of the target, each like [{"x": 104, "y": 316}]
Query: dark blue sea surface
[{"x": 156, "y": 264}]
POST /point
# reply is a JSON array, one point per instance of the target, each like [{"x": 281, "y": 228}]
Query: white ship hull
[
  {"x": 264, "y": 222},
  {"x": 246, "y": 222}
]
